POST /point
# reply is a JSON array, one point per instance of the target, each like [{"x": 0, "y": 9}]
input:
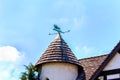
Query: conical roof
[{"x": 58, "y": 51}]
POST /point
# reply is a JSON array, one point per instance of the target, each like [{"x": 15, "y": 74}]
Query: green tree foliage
[{"x": 30, "y": 73}]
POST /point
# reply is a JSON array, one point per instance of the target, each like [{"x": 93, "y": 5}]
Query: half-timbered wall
[{"x": 112, "y": 69}]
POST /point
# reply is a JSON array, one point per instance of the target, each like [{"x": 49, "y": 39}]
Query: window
[
  {"x": 113, "y": 76},
  {"x": 110, "y": 75}
]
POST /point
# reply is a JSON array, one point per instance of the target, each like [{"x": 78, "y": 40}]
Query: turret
[{"x": 58, "y": 62}]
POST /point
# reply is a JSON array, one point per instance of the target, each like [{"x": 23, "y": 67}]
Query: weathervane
[{"x": 58, "y": 30}]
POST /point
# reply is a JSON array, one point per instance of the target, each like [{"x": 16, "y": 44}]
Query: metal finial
[{"x": 58, "y": 29}]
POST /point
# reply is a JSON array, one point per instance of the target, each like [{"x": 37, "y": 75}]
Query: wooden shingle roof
[
  {"x": 91, "y": 64},
  {"x": 58, "y": 51}
]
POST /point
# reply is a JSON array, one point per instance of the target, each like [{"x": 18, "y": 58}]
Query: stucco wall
[
  {"x": 114, "y": 63},
  {"x": 59, "y": 71},
  {"x": 113, "y": 76}
]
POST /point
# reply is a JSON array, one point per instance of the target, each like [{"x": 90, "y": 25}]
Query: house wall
[
  {"x": 59, "y": 71},
  {"x": 113, "y": 76},
  {"x": 114, "y": 63}
]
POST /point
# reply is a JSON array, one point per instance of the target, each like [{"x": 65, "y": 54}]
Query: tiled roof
[
  {"x": 58, "y": 51},
  {"x": 91, "y": 64}
]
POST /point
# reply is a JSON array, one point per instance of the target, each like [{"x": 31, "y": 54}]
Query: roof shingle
[
  {"x": 58, "y": 51},
  {"x": 91, "y": 64}
]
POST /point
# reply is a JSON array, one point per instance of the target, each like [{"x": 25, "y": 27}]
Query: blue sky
[{"x": 25, "y": 25}]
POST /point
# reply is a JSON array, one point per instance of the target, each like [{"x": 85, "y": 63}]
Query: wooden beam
[{"x": 109, "y": 72}]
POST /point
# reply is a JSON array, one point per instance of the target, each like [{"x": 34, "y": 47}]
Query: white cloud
[
  {"x": 78, "y": 22},
  {"x": 73, "y": 14},
  {"x": 75, "y": 23},
  {"x": 87, "y": 49},
  {"x": 9, "y": 71},
  {"x": 9, "y": 53},
  {"x": 59, "y": 21},
  {"x": 83, "y": 51},
  {"x": 10, "y": 63}
]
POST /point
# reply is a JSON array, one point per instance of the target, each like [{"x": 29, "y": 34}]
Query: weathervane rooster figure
[{"x": 58, "y": 29}]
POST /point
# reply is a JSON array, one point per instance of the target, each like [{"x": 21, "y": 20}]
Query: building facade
[{"x": 59, "y": 63}]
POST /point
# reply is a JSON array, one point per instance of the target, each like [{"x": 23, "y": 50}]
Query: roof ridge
[{"x": 94, "y": 56}]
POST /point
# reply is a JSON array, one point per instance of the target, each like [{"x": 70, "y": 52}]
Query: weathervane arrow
[{"x": 58, "y": 29}]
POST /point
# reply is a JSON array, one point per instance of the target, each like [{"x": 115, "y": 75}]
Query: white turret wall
[{"x": 59, "y": 71}]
